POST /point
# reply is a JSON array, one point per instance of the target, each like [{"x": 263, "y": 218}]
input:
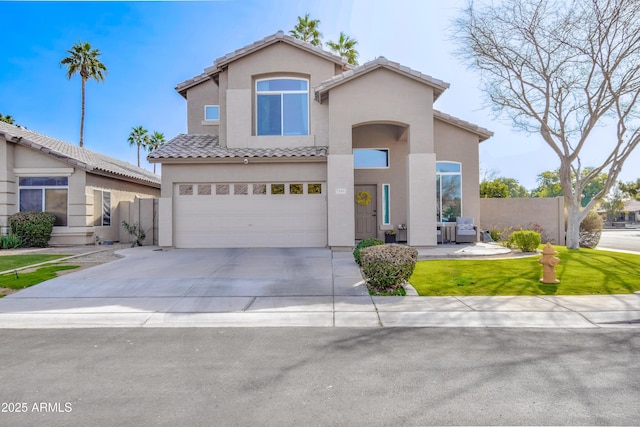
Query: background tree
[
  {"x": 561, "y": 69},
  {"x": 494, "y": 190},
  {"x": 6, "y": 119},
  {"x": 155, "y": 140},
  {"x": 84, "y": 60},
  {"x": 549, "y": 185},
  {"x": 346, "y": 48},
  {"x": 514, "y": 187},
  {"x": 613, "y": 204},
  {"x": 138, "y": 137},
  {"x": 631, "y": 189},
  {"x": 307, "y": 30}
]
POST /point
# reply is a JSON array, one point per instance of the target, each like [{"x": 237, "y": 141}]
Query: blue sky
[{"x": 149, "y": 47}]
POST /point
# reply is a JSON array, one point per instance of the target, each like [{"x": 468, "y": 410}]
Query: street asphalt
[
  {"x": 153, "y": 288},
  {"x": 319, "y": 376}
]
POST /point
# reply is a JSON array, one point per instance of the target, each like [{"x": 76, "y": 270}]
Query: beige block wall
[
  {"x": 206, "y": 93},
  {"x": 548, "y": 213},
  {"x": 458, "y": 145},
  {"x": 121, "y": 191}
]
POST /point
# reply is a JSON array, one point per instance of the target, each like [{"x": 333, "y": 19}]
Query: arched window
[
  {"x": 282, "y": 106},
  {"x": 448, "y": 191}
]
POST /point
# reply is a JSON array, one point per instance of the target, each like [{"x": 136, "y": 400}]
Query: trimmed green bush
[
  {"x": 387, "y": 267},
  {"x": 10, "y": 241},
  {"x": 525, "y": 240},
  {"x": 365, "y": 243},
  {"x": 34, "y": 228},
  {"x": 590, "y": 230}
]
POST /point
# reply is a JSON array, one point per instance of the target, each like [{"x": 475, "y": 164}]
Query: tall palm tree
[
  {"x": 84, "y": 60},
  {"x": 139, "y": 137},
  {"x": 345, "y": 47},
  {"x": 307, "y": 30},
  {"x": 155, "y": 141}
]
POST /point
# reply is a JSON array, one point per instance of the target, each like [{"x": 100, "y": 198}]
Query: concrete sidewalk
[{"x": 280, "y": 287}]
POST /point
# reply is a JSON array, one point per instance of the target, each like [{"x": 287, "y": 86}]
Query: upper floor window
[
  {"x": 212, "y": 112},
  {"x": 282, "y": 106}
]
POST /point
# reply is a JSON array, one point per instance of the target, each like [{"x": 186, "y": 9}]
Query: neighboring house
[
  {"x": 629, "y": 214},
  {"x": 289, "y": 146},
  {"x": 81, "y": 187}
]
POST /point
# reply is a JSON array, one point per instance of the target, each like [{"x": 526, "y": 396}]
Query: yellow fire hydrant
[{"x": 549, "y": 262}]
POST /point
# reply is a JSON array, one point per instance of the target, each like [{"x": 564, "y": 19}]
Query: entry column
[{"x": 340, "y": 201}]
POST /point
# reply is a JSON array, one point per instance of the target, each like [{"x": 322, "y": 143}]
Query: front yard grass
[
  {"x": 581, "y": 272},
  {"x": 9, "y": 262},
  {"x": 26, "y": 279}
]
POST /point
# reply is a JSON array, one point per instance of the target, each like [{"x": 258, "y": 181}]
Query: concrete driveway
[{"x": 276, "y": 287}]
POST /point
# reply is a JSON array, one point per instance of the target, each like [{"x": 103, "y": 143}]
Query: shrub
[
  {"x": 544, "y": 237},
  {"x": 365, "y": 243},
  {"x": 136, "y": 233},
  {"x": 525, "y": 240},
  {"x": 33, "y": 228},
  {"x": 590, "y": 230},
  {"x": 10, "y": 241},
  {"x": 387, "y": 267}
]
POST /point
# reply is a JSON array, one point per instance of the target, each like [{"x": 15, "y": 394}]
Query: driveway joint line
[
  {"x": 465, "y": 304},
  {"x": 249, "y": 304}
]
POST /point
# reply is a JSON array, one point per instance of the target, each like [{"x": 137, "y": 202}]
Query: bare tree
[{"x": 562, "y": 69}]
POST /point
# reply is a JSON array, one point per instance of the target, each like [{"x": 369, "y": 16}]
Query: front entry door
[{"x": 366, "y": 214}]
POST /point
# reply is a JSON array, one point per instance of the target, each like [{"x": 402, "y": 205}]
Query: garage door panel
[{"x": 267, "y": 220}]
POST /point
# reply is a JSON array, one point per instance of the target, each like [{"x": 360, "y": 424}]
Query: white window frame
[
  {"x": 44, "y": 188},
  {"x": 205, "y": 113},
  {"x": 372, "y": 149},
  {"x": 102, "y": 210},
  {"x": 281, "y": 93},
  {"x": 449, "y": 174},
  {"x": 386, "y": 204}
]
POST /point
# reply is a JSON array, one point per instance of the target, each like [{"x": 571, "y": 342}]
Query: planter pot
[{"x": 389, "y": 238}]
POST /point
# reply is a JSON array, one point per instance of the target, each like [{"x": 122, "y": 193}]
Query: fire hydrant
[{"x": 549, "y": 262}]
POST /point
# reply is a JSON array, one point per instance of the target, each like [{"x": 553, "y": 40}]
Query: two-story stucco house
[{"x": 289, "y": 146}]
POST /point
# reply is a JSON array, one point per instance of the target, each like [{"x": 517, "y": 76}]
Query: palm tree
[
  {"x": 84, "y": 60},
  {"x": 345, "y": 47},
  {"x": 307, "y": 30},
  {"x": 139, "y": 137},
  {"x": 155, "y": 141},
  {"x": 6, "y": 119}
]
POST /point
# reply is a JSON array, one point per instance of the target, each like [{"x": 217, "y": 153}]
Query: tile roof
[
  {"x": 381, "y": 62},
  {"x": 195, "y": 146},
  {"x": 483, "y": 133},
  {"x": 278, "y": 37},
  {"x": 77, "y": 156}
]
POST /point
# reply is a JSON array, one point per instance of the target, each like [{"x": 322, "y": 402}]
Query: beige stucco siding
[
  {"x": 381, "y": 96},
  {"x": 7, "y": 184},
  {"x": 458, "y": 145},
  {"x": 278, "y": 60},
  {"x": 206, "y": 93},
  {"x": 121, "y": 191},
  {"x": 385, "y": 136}
]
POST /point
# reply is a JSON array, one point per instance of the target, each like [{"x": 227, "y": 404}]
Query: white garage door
[{"x": 239, "y": 215}]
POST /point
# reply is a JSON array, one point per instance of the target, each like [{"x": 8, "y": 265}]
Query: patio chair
[{"x": 466, "y": 231}]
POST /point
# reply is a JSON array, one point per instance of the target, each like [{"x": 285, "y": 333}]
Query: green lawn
[
  {"x": 581, "y": 272},
  {"x": 8, "y": 262},
  {"x": 24, "y": 280}
]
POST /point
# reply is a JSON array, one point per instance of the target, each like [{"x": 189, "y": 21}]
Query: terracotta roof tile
[{"x": 195, "y": 146}]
